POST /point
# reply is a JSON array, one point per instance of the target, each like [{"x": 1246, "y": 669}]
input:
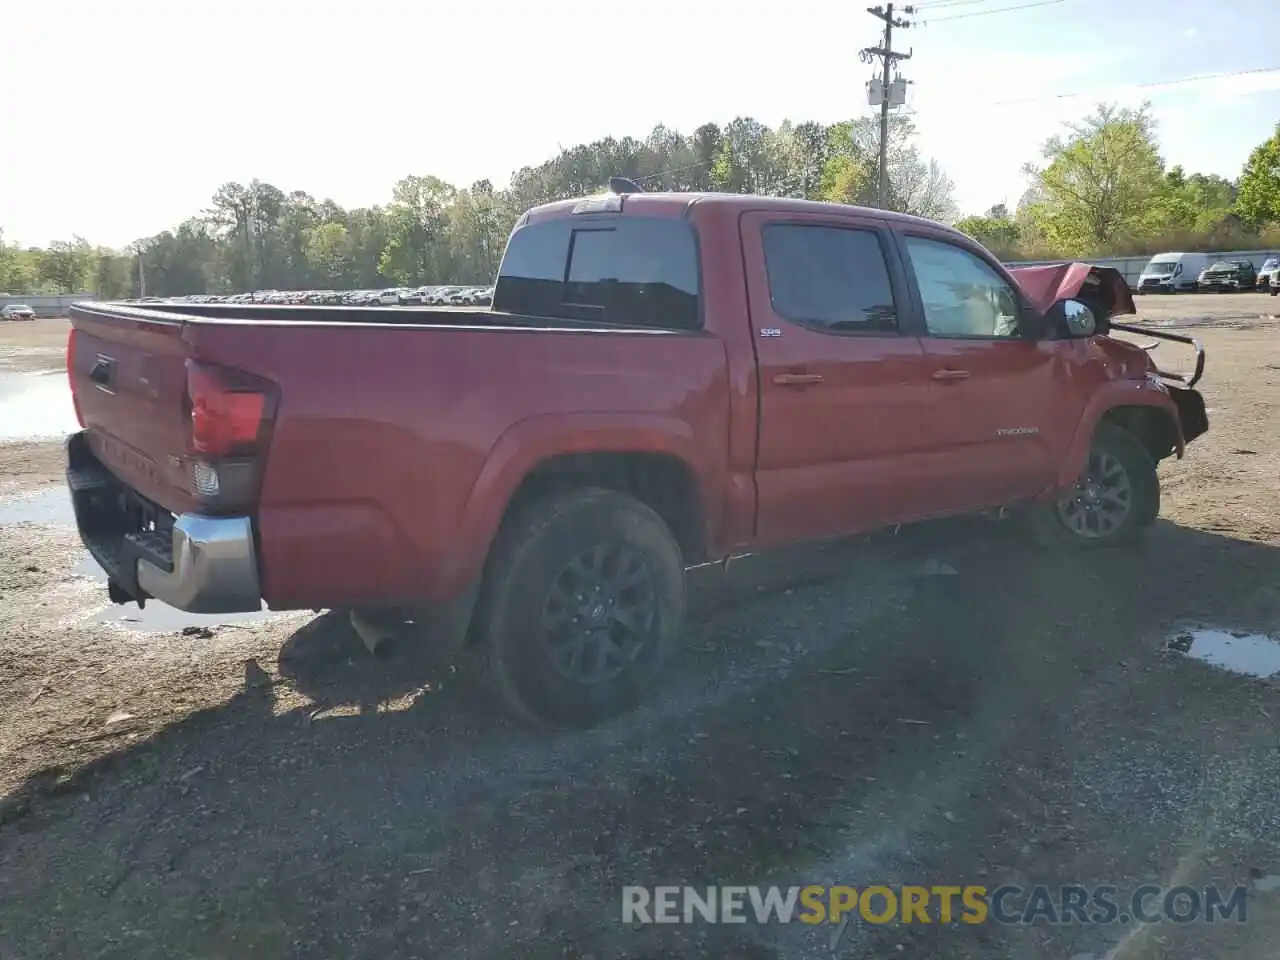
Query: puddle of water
[
  {"x": 51, "y": 507},
  {"x": 35, "y": 406},
  {"x": 159, "y": 617},
  {"x": 1251, "y": 654}
]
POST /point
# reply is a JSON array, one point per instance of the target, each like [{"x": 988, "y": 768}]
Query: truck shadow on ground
[
  {"x": 835, "y": 717},
  {"x": 326, "y": 661}
]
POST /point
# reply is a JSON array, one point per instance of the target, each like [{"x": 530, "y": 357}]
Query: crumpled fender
[
  {"x": 1103, "y": 288},
  {"x": 1108, "y": 397}
]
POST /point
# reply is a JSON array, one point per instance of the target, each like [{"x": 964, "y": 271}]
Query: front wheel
[
  {"x": 1116, "y": 496},
  {"x": 583, "y": 605}
]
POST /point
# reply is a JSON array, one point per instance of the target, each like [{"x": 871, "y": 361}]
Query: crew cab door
[
  {"x": 842, "y": 388},
  {"x": 992, "y": 419}
]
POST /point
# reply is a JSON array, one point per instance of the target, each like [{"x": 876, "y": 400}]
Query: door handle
[
  {"x": 796, "y": 379},
  {"x": 950, "y": 376}
]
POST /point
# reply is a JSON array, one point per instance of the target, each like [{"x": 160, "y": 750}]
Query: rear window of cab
[{"x": 636, "y": 271}]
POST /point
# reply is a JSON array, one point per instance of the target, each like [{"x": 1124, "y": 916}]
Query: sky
[{"x": 121, "y": 119}]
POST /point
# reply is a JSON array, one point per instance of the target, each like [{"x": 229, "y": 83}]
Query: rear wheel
[
  {"x": 1116, "y": 496},
  {"x": 583, "y": 605}
]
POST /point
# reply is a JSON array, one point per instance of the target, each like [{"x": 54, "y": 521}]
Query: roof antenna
[{"x": 623, "y": 185}]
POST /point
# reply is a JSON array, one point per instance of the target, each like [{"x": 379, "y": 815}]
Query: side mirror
[{"x": 1076, "y": 320}]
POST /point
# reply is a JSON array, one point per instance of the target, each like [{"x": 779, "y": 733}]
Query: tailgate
[{"x": 128, "y": 375}]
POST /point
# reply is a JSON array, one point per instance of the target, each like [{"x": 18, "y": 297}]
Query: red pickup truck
[{"x": 664, "y": 380}]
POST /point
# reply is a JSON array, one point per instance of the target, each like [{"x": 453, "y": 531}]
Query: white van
[{"x": 1171, "y": 272}]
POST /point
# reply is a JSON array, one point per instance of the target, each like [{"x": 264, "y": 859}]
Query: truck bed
[{"x": 412, "y": 316}]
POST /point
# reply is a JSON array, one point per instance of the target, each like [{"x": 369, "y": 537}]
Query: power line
[
  {"x": 1141, "y": 86},
  {"x": 671, "y": 170},
  {"x": 987, "y": 13},
  {"x": 942, "y": 4}
]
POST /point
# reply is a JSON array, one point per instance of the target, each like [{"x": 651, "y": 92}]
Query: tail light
[
  {"x": 226, "y": 416},
  {"x": 230, "y": 419},
  {"x": 71, "y": 375}
]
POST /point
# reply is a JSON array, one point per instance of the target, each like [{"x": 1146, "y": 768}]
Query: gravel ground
[{"x": 947, "y": 706}]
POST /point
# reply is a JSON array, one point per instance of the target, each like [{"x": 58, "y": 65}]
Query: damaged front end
[
  {"x": 1106, "y": 292},
  {"x": 1192, "y": 415}
]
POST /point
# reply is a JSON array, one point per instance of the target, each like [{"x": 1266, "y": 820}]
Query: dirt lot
[{"x": 839, "y": 715}]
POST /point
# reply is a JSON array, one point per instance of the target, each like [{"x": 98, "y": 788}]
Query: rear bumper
[
  {"x": 213, "y": 569},
  {"x": 195, "y": 563}
]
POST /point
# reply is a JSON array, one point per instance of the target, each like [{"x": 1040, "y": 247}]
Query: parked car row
[
  {"x": 1196, "y": 272},
  {"x": 437, "y": 296}
]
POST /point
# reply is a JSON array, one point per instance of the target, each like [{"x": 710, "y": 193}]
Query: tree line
[{"x": 1100, "y": 188}]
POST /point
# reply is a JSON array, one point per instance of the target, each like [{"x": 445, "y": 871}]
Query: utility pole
[{"x": 887, "y": 57}]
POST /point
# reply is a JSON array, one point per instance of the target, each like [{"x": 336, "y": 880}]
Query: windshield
[
  {"x": 1161, "y": 268},
  {"x": 1270, "y": 263},
  {"x": 1224, "y": 265}
]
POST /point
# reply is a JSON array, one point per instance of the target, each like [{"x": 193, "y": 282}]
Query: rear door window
[{"x": 628, "y": 270}]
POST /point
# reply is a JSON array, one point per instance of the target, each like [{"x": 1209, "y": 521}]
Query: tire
[
  {"x": 1116, "y": 458},
  {"x": 624, "y": 558}
]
